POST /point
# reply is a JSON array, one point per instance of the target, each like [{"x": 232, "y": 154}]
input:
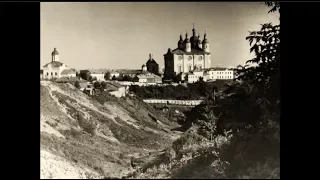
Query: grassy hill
[{"x": 96, "y": 137}]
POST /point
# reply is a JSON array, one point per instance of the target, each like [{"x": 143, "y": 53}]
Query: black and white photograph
[{"x": 160, "y": 90}]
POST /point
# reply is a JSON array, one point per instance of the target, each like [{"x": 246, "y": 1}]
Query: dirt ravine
[
  {"x": 53, "y": 166},
  {"x": 104, "y": 142}
]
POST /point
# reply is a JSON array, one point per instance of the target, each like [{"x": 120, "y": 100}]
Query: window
[
  {"x": 190, "y": 58},
  {"x": 189, "y": 67},
  {"x": 51, "y": 74},
  {"x": 200, "y": 67},
  {"x": 47, "y": 74},
  {"x": 55, "y": 73},
  {"x": 179, "y": 69}
]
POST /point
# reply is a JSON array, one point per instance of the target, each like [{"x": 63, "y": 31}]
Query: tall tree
[{"x": 107, "y": 76}]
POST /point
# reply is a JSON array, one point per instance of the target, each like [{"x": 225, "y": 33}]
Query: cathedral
[{"x": 190, "y": 54}]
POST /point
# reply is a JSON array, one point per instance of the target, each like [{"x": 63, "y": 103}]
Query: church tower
[
  {"x": 194, "y": 38},
  {"x": 205, "y": 43},
  {"x": 180, "y": 42},
  {"x": 187, "y": 44},
  {"x": 55, "y": 55}
]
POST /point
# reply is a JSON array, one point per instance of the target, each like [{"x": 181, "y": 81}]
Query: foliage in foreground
[{"x": 249, "y": 110}]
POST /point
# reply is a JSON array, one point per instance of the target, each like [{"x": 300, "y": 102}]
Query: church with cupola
[
  {"x": 189, "y": 55},
  {"x": 55, "y": 68}
]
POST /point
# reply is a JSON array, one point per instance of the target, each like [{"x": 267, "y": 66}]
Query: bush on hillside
[
  {"x": 77, "y": 85},
  {"x": 87, "y": 125},
  {"x": 97, "y": 85},
  {"x": 103, "y": 85}
]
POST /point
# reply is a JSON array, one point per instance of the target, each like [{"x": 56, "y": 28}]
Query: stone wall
[{"x": 176, "y": 102}]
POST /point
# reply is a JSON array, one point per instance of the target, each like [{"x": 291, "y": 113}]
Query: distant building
[
  {"x": 149, "y": 78},
  {"x": 73, "y": 80},
  {"x": 195, "y": 76},
  {"x": 54, "y": 68},
  {"x": 220, "y": 73},
  {"x": 69, "y": 73},
  {"x": 98, "y": 74},
  {"x": 130, "y": 72},
  {"x": 116, "y": 89},
  {"x": 114, "y": 74},
  {"x": 190, "y": 54},
  {"x": 152, "y": 65}
]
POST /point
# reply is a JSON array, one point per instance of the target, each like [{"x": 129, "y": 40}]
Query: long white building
[{"x": 213, "y": 74}]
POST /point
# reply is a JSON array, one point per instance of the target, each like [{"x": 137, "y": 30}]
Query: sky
[{"x": 119, "y": 35}]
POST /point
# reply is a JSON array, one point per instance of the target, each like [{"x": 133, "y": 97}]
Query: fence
[{"x": 176, "y": 102}]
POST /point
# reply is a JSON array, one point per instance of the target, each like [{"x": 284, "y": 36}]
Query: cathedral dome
[
  {"x": 194, "y": 39},
  {"x": 180, "y": 40},
  {"x": 186, "y": 40}
]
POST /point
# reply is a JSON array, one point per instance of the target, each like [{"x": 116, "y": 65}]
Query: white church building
[{"x": 55, "y": 69}]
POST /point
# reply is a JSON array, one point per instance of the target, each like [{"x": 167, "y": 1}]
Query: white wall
[
  {"x": 100, "y": 77},
  {"x": 56, "y": 57},
  {"x": 205, "y": 62},
  {"x": 116, "y": 74},
  {"x": 142, "y": 80},
  {"x": 121, "y": 92},
  {"x": 192, "y": 78},
  {"x": 227, "y": 74},
  {"x": 207, "y": 58},
  {"x": 51, "y": 73},
  {"x": 56, "y": 72},
  {"x": 177, "y": 102},
  {"x": 69, "y": 75}
]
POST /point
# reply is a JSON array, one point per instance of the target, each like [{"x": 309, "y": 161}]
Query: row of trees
[
  {"x": 193, "y": 91},
  {"x": 86, "y": 75}
]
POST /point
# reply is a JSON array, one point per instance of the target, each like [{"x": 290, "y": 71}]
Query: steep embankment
[{"x": 81, "y": 138}]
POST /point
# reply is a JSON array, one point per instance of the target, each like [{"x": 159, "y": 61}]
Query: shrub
[
  {"x": 77, "y": 85},
  {"x": 87, "y": 125}
]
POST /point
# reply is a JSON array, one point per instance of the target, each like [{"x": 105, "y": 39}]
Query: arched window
[{"x": 51, "y": 73}]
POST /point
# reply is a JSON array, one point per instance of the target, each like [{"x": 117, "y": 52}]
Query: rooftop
[
  {"x": 111, "y": 86},
  {"x": 129, "y": 71},
  {"x": 69, "y": 71},
  {"x": 217, "y": 69},
  {"x": 197, "y": 51},
  {"x": 148, "y": 76},
  {"x": 71, "y": 79},
  {"x": 54, "y": 64},
  {"x": 97, "y": 71}
]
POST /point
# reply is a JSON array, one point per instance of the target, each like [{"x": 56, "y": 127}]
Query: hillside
[{"x": 84, "y": 138}]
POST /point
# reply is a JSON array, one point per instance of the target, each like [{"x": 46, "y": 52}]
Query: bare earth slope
[{"x": 81, "y": 138}]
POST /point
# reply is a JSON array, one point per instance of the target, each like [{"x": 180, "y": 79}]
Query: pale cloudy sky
[{"x": 121, "y": 35}]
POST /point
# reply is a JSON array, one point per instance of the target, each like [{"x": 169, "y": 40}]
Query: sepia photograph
[{"x": 160, "y": 90}]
